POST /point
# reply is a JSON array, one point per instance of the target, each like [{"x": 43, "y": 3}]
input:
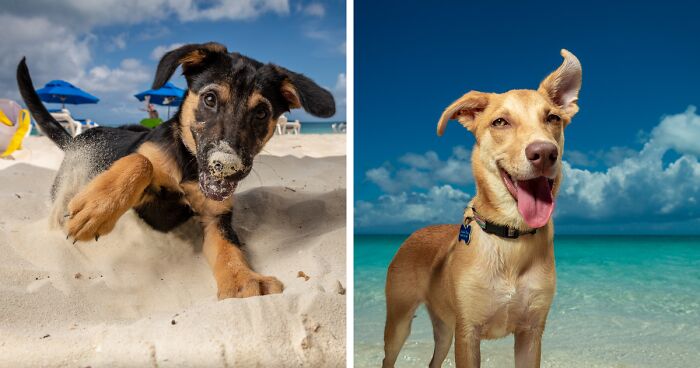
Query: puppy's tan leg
[
  {"x": 95, "y": 210},
  {"x": 399, "y": 315},
  {"x": 234, "y": 278},
  {"x": 442, "y": 334},
  {"x": 528, "y": 348},
  {"x": 467, "y": 345}
]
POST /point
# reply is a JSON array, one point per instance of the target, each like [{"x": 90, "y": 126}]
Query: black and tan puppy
[{"x": 189, "y": 165}]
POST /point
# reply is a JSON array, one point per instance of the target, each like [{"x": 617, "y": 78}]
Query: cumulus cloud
[
  {"x": 159, "y": 51},
  {"x": 642, "y": 187},
  {"x": 52, "y": 50},
  {"x": 315, "y": 10},
  {"x": 434, "y": 206},
  {"x": 127, "y": 77},
  {"x": 339, "y": 90},
  {"x": 423, "y": 171},
  {"x": 117, "y": 42},
  {"x": 638, "y": 187},
  {"x": 85, "y": 14}
]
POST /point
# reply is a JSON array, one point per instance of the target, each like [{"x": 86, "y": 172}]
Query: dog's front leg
[
  {"x": 467, "y": 345},
  {"x": 528, "y": 348},
  {"x": 96, "y": 208},
  {"x": 234, "y": 277}
]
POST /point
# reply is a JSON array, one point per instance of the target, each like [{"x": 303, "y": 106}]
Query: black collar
[{"x": 495, "y": 229}]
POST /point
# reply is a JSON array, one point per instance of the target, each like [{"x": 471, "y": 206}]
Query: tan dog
[{"x": 492, "y": 276}]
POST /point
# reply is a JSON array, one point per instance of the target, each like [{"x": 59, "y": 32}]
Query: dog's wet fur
[
  {"x": 188, "y": 166},
  {"x": 491, "y": 286}
]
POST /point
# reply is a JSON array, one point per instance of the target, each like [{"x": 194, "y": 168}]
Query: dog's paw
[
  {"x": 246, "y": 284},
  {"x": 91, "y": 216}
]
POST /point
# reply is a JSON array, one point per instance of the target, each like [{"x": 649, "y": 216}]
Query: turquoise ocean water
[
  {"x": 317, "y": 127},
  {"x": 622, "y": 301}
]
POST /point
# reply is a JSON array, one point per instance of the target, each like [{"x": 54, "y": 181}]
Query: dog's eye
[
  {"x": 209, "y": 99},
  {"x": 552, "y": 118},
  {"x": 261, "y": 114},
  {"x": 500, "y": 122}
]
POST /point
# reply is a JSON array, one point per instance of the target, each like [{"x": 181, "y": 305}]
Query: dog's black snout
[
  {"x": 217, "y": 166},
  {"x": 542, "y": 155}
]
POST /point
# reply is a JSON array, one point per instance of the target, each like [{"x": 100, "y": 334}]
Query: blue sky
[
  {"x": 111, "y": 48},
  {"x": 632, "y": 151}
]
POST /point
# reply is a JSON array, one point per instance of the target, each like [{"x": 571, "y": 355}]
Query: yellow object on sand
[{"x": 23, "y": 120}]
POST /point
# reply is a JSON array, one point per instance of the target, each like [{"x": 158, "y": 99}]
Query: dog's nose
[
  {"x": 542, "y": 155},
  {"x": 223, "y": 164}
]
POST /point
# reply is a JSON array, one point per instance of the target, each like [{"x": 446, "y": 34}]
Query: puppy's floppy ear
[
  {"x": 563, "y": 85},
  {"x": 189, "y": 56},
  {"x": 464, "y": 110},
  {"x": 301, "y": 92}
]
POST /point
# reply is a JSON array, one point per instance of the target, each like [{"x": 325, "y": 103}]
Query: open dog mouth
[
  {"x": 534, "y": 197},
  {"x": 216, "y": 188}
]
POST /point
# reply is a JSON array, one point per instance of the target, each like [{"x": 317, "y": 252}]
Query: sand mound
[{"x": 138, "y": 297}]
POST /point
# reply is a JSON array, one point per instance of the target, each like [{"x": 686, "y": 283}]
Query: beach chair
[
  {"x": 74, "y": 126},
  {"x": 281, "y": 124},
  {"x": 340, "y": 128},
  {"x": 15, "y": 124},
  {"x": 293, "y": 127}
]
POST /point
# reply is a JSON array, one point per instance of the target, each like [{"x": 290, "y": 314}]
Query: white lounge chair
[
  {"x": 341, "y": 128},
  {"x": 284, "y": 126},
  {"x": 293, "y": 127},
  {"x": 73, "y": 125}
]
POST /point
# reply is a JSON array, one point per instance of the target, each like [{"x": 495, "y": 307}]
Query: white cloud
[
  {"x": 435, "y": 206},
  {"x": 229, "y": 9},
  {"x": 641, "y": 187},
  {"x": 315, "y": 10},
  {"x": 339, "y": 90},
  {"x": 117, "y": 42},
  {"x": 318, "y": 34},
  {"x": 85, "y": 14},
  {"x": 52, "y": 51},
  {"x": 127, "y": 77},
  {"x": 423, "y": 171},
  {"x": 159, "y": 51}
]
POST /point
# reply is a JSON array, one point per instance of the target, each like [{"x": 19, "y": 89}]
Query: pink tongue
[{"x": 535, "y": 202}]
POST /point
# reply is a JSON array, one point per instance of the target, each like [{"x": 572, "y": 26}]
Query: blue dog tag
[{"x": 465, "y": 234}]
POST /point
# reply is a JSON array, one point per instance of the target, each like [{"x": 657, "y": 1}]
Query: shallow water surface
[{"x": 622, "y": 301}]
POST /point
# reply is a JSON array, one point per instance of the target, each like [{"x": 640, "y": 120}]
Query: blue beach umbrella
[
  {"x": 168, "y": 95},
  {"x": 58, "y": 91}
]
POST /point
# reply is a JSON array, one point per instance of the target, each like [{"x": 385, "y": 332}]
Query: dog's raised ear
[
  {"x": 464, "y": 110},
  {"x": 191, "y": 57},
  {"x": 563, "y": 85},
  {"x": 301, "y": 92}
]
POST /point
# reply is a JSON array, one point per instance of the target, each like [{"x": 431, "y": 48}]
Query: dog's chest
[
  {"x": 509, "y": 304},
  {"x": 508, "y": 295}
]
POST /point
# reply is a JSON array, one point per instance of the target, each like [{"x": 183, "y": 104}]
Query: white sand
[{"x": 142, "y": 298}]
